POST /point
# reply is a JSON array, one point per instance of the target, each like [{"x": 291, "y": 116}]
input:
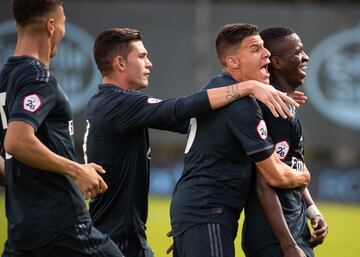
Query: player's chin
[
  {"x": 264, "y": 79},
  {"x": 144, "y": 84},
  {"x": 53, "y": 52}
]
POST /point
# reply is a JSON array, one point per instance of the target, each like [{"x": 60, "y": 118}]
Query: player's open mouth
[
  {"x": 264, "y": 70},
  {"x": 303, "y": 69}
]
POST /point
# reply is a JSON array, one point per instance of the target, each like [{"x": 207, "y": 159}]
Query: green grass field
[{"x": 343, "y": 239}]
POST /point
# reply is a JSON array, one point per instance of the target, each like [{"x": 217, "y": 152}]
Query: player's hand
[
  {"x": 89, "y": 181},
  {"x": 273, "y": 99},
  {"x": 294, "y": 251},
  {"x": 171, "y": 247},
  {"x": 320, "y": 227},
  {"x": 299, "y": 97}
]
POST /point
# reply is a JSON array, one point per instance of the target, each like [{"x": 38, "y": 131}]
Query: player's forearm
[
  {"x": 221, "y": 96},
  {"x": 278, "y": 174},
  {"x": 22, "y": 144},
  {"x": 307, "y": 197},
  {"x": 273, "y": 211},
  {"x": 290, "y": 178}
]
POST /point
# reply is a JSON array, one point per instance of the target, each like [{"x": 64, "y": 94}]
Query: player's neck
[
  {"x": 115, "y": 81},
  {"x": 282, "y": 82},
  {"x": 35, "y": 46},
  {"x": 235, "y": 75}
]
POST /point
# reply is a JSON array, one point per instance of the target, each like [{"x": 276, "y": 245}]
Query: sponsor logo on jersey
[
  {"x": 74, "y": 66},
  {"x": 151, "y": 100},
  {"x": 262, "y": 130},
  {"x": 333, "y": 77},
  {"x": 31, "y": 103},
  {"x": 282, "y": 149},
  {"x": 297, "y": 164}
]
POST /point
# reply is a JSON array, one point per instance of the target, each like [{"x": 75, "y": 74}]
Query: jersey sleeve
[
  {"x": 138, "y": 110},
  {"x": 32, "y": 103},
  {"x": 249, "y": 127}
]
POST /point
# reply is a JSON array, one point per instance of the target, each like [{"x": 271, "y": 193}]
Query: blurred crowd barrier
[{"x": 180, "y": 39}]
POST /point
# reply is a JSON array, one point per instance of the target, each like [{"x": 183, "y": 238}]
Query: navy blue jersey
[
  {"x": 39, "y": 204},
  {"x": 117, "y": 138},
  {"x": 218, "y": 163},
  {"x": 287, "y": 136}
]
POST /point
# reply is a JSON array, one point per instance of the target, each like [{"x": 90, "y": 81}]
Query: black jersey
[
  {"x": 39, "y": 204},
  {"x": 117, "y": 138},
  {"x": 218, "y": 163},
  {"x": 287, "y": 136}
]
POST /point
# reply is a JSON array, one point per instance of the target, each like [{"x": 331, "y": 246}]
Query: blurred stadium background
[{"x": 179, "y": 36}]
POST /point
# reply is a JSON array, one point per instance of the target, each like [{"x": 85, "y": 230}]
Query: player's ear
[
  {"x": 119, "y": 63},
  {"x": 232, "y": 62},
  {"x": 50, "y": 27},
  {"x": 275, "y": 61}
]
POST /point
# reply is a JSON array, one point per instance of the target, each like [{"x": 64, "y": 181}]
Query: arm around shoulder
[{"x": 278, "y": 174}]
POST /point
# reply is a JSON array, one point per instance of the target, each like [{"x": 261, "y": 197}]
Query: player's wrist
[
  {"x": 312, "y": 211},
  {"x": 245, "y": 88},
  {"x": 288, "y": 245},
  {"x": 74, "y": 170}
]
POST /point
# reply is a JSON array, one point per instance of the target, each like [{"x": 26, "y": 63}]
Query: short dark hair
[
  {"x": 231, "y": 35},
  {"x": 113, "y": 42},
  {"x": 27, "y": 11},
  {"x": 272, "y": 34}
]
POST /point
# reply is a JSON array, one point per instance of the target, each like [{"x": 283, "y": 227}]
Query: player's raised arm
[{"x": 267, "y": 94}]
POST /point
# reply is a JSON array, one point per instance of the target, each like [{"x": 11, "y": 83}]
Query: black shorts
[
  {"x": 134, "y": 245},
  {"x": 80, "y": 240},
  {"x": 275, "y": 250},
  {"x": 211, "y": 240}
]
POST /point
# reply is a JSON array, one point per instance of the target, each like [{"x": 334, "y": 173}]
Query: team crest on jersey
[
  {"x": 282, "y": 149},
  {"x": 262, "y": 130},
  {"x": 31, "y": 103},
  {"x": 153, "y": 100}
]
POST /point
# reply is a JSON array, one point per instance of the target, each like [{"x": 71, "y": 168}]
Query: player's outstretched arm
[
  {"x": 272, "y": 208},
  {"x": 272, "y": 98},
  {"x": 21, "y": 143},
  {"x": 278, "y": 174},
  {"x": 318, "y": 222}
]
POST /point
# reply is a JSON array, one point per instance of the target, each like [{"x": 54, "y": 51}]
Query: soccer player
[
  {"x": 220, "y": 153},
  {"x": 118, "y": 117},
  {"x": 287, "y": 72},
  {"x": 45, "y": 210}
]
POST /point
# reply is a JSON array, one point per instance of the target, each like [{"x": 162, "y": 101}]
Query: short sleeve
[
  {"x": 249, "y": 127},
  {"x": 33, "y": 103}
]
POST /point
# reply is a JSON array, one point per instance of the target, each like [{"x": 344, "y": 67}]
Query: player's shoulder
[
  {"x": 32, "y": 69},
  {"x": 113, "y": 91},
  {"x": 111, "y": 95},
  {"x": 219, "y": 80}
]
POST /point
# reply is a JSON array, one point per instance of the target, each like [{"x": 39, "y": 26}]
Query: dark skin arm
[
  {"x": 318, "y": 222},
  {"x": 273, "y": 211}
]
